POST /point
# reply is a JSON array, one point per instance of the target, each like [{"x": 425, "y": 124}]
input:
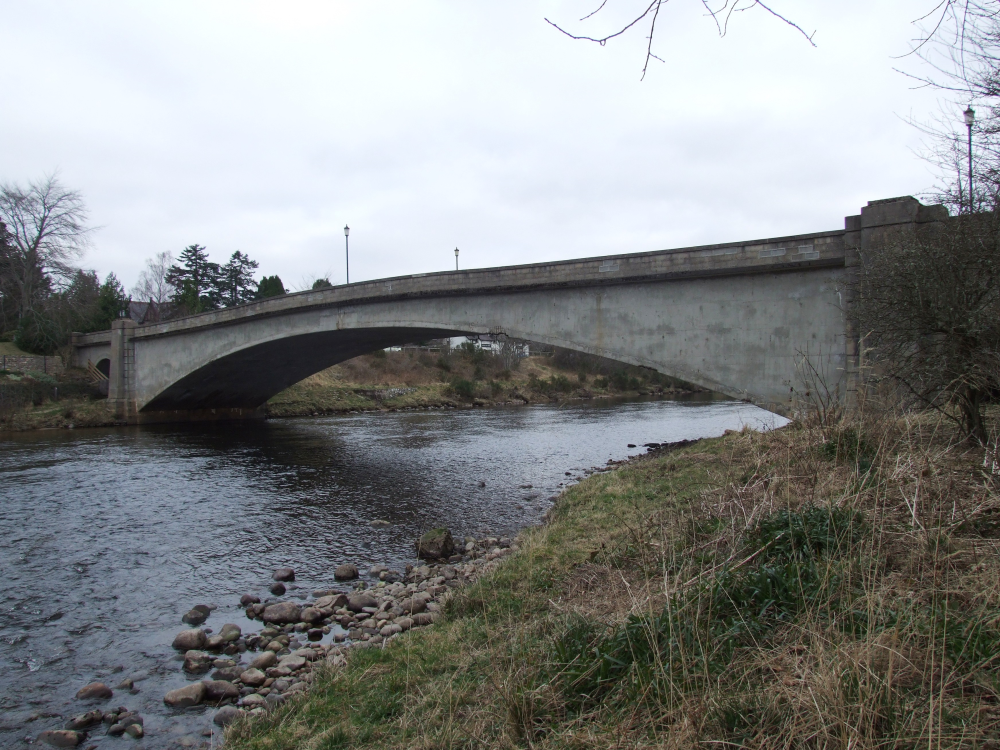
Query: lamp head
[
  {"x": 347, "y": 230},
  {"x": 456, "y": 252},
  {"x": 970, "y": 116}
]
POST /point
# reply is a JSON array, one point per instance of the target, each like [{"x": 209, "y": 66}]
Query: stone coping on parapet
[{"x": 779, "y": 254}]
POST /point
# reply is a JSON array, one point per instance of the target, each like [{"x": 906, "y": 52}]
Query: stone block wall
[{"x": 50, "y": 365}]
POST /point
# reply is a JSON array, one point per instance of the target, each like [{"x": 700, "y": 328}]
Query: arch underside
[{"x": 246, "y": 379}]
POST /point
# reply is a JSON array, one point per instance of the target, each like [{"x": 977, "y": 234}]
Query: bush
[{"x": 463, "y": 388}]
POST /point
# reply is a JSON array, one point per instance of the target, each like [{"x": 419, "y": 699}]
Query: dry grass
[{"x": 820, "y": 586}]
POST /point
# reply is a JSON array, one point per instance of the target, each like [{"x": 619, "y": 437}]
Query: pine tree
[
  {"x": 112, "y": 302},
  {"x": 195, "y": 280},
  {"x": 236, "y": 284}
]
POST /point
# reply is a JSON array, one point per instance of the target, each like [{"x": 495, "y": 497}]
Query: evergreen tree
[
  {"x": 112, "y": 303},
  {"x": 236, "y": 282},
  {"x": 195, "y": 280},
  {"x": 322, "y": 284},
  {"x": 270, "y": 286}
]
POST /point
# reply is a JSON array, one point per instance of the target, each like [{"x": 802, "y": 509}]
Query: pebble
[{"x": 94, "y": 691}]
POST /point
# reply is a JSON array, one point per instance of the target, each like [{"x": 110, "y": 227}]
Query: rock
[
  {"x": 126, "y": 684},
  {"x": 214, "y": 643},
  {"x": 186, "y": 640},
  {"x": 194, "y": 617},
  {"x": 346, "y": 572},
  {"x": 284, "y": 574},
  {"x": 94, "y": 691},
  {"x": 278, "y": 589},
  {"x": 227, "y": 673},
  {"x": 226, "y": 715},
  {"x": 424, "y": 618},
  {"x": 185, "y": 697},
  {"x": 247, "y": 599},
  {"x": 254, "y": 701},
  {"x": 379, "y": 522},
  {"x": 274, "y": 700},
  {"x": 405, "y": 623},
  {"x": 61, "y": 737},
  {"x": 220, "y": 690},
  {"x": 357, "y": 602},
  {"x": 230, "y": 633},
  {"x": 333, "y": 601},
  {"x": 253, "y": 677},
  {"x": 265, "y": 660},
  {"x": 282, "y": 612},
  {"x": 82, "y": 721},
  {"x": 311, "y": 615},
  {"x": 435, "y": 544},
  {"x": 135, "y": 731},
  {"x": 126, "y": 718},
  {"x": 376, "y": 569},
  {"x": 315, "y": 634},
  {"x": 197, "y": 662},
  {"x": 292, "y": 663},
  {"x": 391, "y": 629},
  {"x": 413, "y": 606}
]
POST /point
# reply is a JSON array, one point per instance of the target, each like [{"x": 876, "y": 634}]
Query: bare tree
[
  {"x": 721, "y": 15},
  {"x": 927, "y": 307},
  {"x": 47, "y": 231},
  {"x": 152, "y": 285}
]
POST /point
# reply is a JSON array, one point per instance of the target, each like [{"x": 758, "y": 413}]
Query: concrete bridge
[{"x": 739, "y": 318}]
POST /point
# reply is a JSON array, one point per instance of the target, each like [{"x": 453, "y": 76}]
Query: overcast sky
[{"x": 266, "y": 126}]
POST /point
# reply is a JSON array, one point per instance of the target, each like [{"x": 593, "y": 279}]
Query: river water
[{"x": 109, "y": 536}]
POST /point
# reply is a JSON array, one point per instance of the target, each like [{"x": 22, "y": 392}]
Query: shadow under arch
[{"x": 244, "y": 380}]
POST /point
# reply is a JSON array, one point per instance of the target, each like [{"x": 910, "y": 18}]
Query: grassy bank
[
  {"x": 36, "y": 400},
  {"x": 827, "y": 587},
  {"x": 414, "y": 379}
]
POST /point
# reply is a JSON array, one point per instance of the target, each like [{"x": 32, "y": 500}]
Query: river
[{"x": 110, "y": 535}]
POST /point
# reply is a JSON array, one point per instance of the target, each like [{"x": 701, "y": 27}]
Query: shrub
[{"x": 463, "y": 388}]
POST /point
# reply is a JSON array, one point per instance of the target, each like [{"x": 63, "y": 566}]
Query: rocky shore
[{"x": 244, "y": 671}]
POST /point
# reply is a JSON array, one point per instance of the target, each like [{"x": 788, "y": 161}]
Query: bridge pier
[{"x": 122, "y": 372}]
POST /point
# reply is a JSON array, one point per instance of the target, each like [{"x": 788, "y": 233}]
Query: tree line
[{"x": 45, "y": 295}]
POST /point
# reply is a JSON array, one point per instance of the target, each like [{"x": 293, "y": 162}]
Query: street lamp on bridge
[
  {"x": 456, "y": 258},
  {"x": 347, "y": 251},
  {"x": 970, "y": 119}
]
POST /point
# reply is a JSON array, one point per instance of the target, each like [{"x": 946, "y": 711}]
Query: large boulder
[
  {"x": 435, "y": 545},
  {"x": 187, "y": 696},
  {"x": 187, "y": 640},
  {"x": 94, "y": 691},
  {"x": 282, "y": 613}
]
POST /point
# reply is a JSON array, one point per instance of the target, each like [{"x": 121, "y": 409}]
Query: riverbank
[
  {"x": 384, "y": 381},
  {"x": 830, "y": 586}
]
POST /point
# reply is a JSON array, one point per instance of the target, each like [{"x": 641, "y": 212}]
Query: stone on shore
[
  {"x": 278, "y": 589},
  {"x": 135, "y": 731},
  {"x": 230, "y": 633},
  {"x": 331, "y": 601},
  {"x": 346, "y": 572},
  {"x": 311, "y": 615},
  {"x": 94, "y": 691},
  {"x": 292, "y": 663},
  {"x": 282, "y": 613},
  {"x": 196, "y": 662},
  {"x": 185, "y": 697},
  {"x": 195, "y": 617},
  {"x": 264, "y": 661},
  {"x": 253, "y": 678},
  {"x": 82, "y": 721},
  {"x": 220, "y": 690},
  {"x": 187, "y": 640},
  {"x": 357, "y": 602},
  {"x": 413, "y": 606},
  {"x": 284, "y": 574},
  {"x": 227, "y": 673},
  {"x": 61, "y": 737},
  {"x": 435, "y": 545},
  {"x": 226, "y": 715},
  {"x": 424, "y": 618},
  {"x": 254, "y": 701},
  {"x": 247, "y": 599}
]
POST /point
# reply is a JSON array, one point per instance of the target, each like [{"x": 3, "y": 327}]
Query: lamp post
[
  {"x": 456, "y": 258},
  {"x": 347, "y": 251},
  {"x": 970, "y": 118}
]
